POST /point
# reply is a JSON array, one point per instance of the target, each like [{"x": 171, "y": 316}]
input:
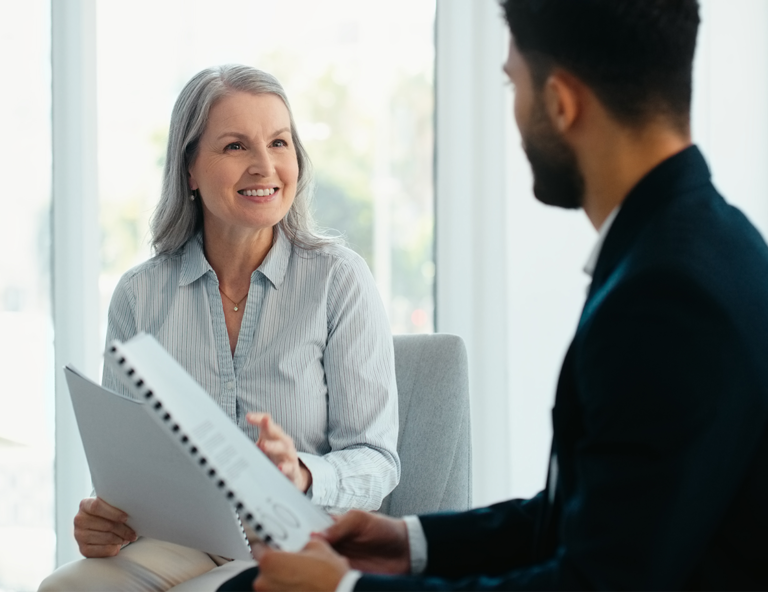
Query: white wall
[
  {"x": 549, "y": 248},
  {"x": 75, "y": 253},
  {"x": 471, "y": 210},
  {"x": 730, "y": 102},
  {"x": 509, "y": 275}
]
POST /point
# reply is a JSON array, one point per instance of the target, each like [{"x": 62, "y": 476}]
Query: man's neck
[{"x": 614, "y": 163}]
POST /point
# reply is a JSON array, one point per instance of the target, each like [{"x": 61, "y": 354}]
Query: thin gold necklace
[{"x": 237, "y": 304}]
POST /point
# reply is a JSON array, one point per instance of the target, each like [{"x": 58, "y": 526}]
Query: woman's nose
[{"x": 261, "y": 162}]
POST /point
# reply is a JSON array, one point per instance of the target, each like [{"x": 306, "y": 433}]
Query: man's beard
[{"x": 557, "y": 180}]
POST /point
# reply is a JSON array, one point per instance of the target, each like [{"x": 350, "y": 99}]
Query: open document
[{"x": 177, "y": 465}]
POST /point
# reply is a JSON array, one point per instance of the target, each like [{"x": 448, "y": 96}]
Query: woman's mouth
[{"x": 258, "y": 192}]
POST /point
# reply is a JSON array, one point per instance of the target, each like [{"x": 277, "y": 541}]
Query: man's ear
[{"x": 562, "y": 100}]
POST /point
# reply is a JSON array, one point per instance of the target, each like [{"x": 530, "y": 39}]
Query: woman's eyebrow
[
  {"x": 237, "y": 135},
  {"x": 242, "y": 136},
  {"x": 281, "y": 130}
]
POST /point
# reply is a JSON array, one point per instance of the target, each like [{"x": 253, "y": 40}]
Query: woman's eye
[
  {"x": 234, "y": 146},
  {"x": 280, "y": 143}
]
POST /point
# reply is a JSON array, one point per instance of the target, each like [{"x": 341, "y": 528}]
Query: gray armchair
[{"x": 434, "y": 437}]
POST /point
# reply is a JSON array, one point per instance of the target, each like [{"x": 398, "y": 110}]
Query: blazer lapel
[{"x": 673, "y": 177}]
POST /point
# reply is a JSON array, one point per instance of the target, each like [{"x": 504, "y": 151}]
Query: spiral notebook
[
  {"x": 137, "y": 468},
  {"x": 223, "y": 470}
]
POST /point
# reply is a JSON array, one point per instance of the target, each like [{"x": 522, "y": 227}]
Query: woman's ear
[
  {"x": 191, "y": 183},
  {"x": 562, "y": 100}
]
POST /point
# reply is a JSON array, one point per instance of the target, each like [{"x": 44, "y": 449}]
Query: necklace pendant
[{"x": 235, "y": 309}]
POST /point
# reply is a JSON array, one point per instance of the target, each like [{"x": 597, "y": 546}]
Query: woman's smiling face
[{"x": 245, "y": 168}]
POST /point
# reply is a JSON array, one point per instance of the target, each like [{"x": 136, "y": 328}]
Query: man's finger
[
  {"x": 344, "y": 527},
  {"x": 318, "y": 548}
]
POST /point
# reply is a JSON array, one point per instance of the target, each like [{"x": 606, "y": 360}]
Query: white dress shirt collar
[{"x": 589, "y": 268}]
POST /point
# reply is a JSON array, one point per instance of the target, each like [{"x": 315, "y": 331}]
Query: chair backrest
[{"x": 434, "y": 437}]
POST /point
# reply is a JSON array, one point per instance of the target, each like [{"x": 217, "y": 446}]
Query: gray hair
[{"x": 177, "y": 218}]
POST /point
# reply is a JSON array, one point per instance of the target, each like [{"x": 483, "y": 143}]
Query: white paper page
[
  {"x": 135, "y": 466},
  {"x": 275, "y": 503}
]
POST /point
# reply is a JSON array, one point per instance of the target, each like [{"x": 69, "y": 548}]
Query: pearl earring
[{"x": 192, "y": 196}]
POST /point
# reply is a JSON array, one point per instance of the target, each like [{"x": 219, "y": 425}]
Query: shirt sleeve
[
  {"x": 417, "y": 543},
  {"x": 121, "y": 325},
  {"x": 347, "y": 583},
  {"x": 362, "y": 466},
  {"x": 418, "y": 547}
]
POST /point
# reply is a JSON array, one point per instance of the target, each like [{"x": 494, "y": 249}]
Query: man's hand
[
  {"x": 279, "y": 448},
  {"x": 372, "y": 542},
  {"x": 316, "y": 567},
  {"x": 101, "y": 529}
]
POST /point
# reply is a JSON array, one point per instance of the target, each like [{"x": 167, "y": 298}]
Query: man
[{"x": 659, "y": 468}]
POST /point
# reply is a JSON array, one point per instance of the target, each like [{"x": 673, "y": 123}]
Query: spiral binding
[{"x": 202, "y": 461}]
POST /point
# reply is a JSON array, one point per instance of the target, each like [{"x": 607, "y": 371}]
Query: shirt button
[{"x": 230, "y": 385}]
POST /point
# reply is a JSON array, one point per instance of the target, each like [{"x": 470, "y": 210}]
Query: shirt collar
[
  {"x": 275, "y": 264},
  {"x": 589, "y": 268},
  {"x": 274, "y": 267},
  {"x": 193, "y": 262}
]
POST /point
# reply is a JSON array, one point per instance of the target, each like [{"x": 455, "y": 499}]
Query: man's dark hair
[{"x": 635, "y": 55}]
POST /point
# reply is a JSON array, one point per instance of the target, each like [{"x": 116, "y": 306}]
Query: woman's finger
[
  {"x": 95, "y": 537},
  {"x": 104, "y": 534},
  {"x": 280, "y": 449},
  {"x": 94, "y": 551},
  {"x": 95, "y": 506},
  {"x": 125, "y": 532},
  {"x": 267, "y": 426},
  {"x": 254, "y": 417},
  {"x": 91, "y": 527},
  {"x": 259, "y": 419},
  {"x": 277, "y": 449},
  {"x": 89, "y": 522},
  {"x": 85, "y": 522}
]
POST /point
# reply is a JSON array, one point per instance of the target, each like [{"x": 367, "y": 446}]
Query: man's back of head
[
  {"x": 603, "y": 93},
  {"x": 636, "y": 55}
]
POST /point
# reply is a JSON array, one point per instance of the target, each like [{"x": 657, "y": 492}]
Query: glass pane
[
  {"x": 27, "y": 540},
  {"x": 359, "y": 76}
]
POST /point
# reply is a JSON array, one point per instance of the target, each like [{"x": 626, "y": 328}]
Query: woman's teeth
[{"x": 257, "y": 192}]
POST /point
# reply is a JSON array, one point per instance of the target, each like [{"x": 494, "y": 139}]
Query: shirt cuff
[
  {"x": 347, "y": 583},
  {"x": 417, "y": 541},
  {"x": 324, "y": 480}
]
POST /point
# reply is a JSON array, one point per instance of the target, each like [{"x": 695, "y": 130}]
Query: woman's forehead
[{"x": 245, "y": 109}]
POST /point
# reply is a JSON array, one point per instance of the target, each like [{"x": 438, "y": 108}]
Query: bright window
[{"x": 27, "y": 541}]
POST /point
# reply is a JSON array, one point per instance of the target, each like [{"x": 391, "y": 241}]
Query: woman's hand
[
  {"x": 101, "y": 529},
  {"x": 279, "y": 448}
]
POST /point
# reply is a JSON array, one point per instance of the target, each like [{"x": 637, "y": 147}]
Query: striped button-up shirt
[{"x": 314, "y": 351}]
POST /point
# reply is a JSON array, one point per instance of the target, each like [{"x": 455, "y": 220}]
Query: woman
[{"x": 281, "y": 326}]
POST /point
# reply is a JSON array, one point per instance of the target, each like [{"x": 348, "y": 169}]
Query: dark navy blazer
[{"x": 660, "y": 419}]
